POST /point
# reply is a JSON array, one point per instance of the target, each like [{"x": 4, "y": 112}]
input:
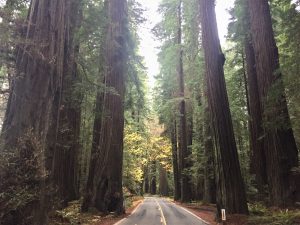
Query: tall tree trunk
[
  {"x": 232, "y": 196},
  {"x": 146, "y": 180},
  {"x": 258, "y": 159},
  {"x": 106, "y": 191},
  {"x": 39, "y": 75},
  {"x": 279, "y": 143},
  {"x": 184, "y": 154},
  {"x": 64, "y": 132},
  {"x": 189, "y": 162},
  {"x": 209, "y": 193},
  {"x": 153, "y": 178},
  {"x": 177, "y": 189},
  {"x": 163, "y": 181}
]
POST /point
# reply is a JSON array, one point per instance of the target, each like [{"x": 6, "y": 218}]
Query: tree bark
[
  {"x": 153, "y": 178},
  {"x": 38, "y": 77},
  {"x": 232, "y": 194},
  {"x": 184, "y": 153},
  {"x": 146, "y": 180},
  {"x": 173, "y": 133},
  {"x": 163, "y": 181},
  {"x": 279, "y": 143},
  {"x": 106, "y": 194},
  {"x": 258, "y": 159},
  {"x": 64, "y": 132},
  {"x": 209, "y": 193}
]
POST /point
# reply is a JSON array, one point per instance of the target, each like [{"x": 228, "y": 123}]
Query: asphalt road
[{"x": 158, "y": 211}]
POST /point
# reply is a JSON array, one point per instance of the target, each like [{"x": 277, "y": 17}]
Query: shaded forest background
[{"x": 80, "y": 122}]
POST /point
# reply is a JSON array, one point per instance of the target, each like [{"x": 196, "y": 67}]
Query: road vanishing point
[{"x": 159, "y": 211}]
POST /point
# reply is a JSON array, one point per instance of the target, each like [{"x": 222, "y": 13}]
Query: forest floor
[
  {"x": 259, "y": 215},
  {"x": 208, "y": 213},
  {"x": 72, "y": 214},
  {"x": 205, "y": 212}
]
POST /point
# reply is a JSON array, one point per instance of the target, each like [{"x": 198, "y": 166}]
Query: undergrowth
[{"x": 260, "y": 215}]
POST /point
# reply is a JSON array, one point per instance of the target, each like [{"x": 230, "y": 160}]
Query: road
[{"x": 158, "y": 211}]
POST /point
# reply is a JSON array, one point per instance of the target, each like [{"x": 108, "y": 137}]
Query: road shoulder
[
  {"x": 206, "y": 213},
  {"x": 117, "y": 220}
]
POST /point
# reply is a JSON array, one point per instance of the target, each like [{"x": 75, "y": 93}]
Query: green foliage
[
  {"x": 236, "y": 88},
  {"x": 12, "y": 15},
  {"x": 286, "y": 20},
  {"x": 135, "y": 159},
  {"x": 259, "y": 214},
  {"x": 21, "y": 190},
  {"x": 166, "y": 90}
]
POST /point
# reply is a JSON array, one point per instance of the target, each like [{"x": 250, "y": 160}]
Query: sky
[{"x": 148, "y": 47}]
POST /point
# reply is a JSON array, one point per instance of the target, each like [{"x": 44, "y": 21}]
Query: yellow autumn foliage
[{"x": 139, "y": 150}]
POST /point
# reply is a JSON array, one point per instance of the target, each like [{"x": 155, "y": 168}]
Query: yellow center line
[
  {"x": 161, "y": 212},
  {"x": 199, "y": 218}
]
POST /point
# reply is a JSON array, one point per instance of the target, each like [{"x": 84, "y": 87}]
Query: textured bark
[
  {"x": 258, "y": 159},
  {"x": 209, "y": 193},
  {"x": 90, "y": 189},
  {"x": 38, "y": 77},
  {"x": 279, "y": 143},
  {"x": 184, "y": 153},
  {"x": 230, "y": 183},
  {"x": 106, "y": 191},
  {"x": 64, "y": 133},
  {"x": 173, "y": 133}
]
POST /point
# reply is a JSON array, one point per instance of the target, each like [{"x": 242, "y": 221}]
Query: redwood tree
[
  {"x": 183, "y": 149},
  {"x": 209, "y": 192},
  {"x": 104, "y": 189},
  {"x": 64, "y": 132},
  {"x": 279, "y": 143},
  {"x": 258, "y": 159},
  {"x": 39, "y": 72},
  {"x": 173, "y": 138},
  {"x": 230, "y": 184}
]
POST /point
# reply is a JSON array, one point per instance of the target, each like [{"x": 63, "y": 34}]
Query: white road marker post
[{"x": 223, "y": 213}]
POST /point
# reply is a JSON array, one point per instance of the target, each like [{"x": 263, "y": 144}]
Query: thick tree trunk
[
  {"x": 258, "y": 159},
  {"x": 39, "y": 74},
  {"x": 106, "y": 194},
  {"x": 232, "y": 196},
  {"x": 184, "y": 153},
  {"x": 177, "y": 189},
  {"x": 64, "y": 133},
  {"x": 279, "y": 143}
]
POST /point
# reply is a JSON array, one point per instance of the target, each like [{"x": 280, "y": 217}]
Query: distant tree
[
  {"x": 173, "y": 138},
  {"x": 163, "y": 181},
  {"x": 183, "y": 143},
  {"x": 209, "y": 192}
]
